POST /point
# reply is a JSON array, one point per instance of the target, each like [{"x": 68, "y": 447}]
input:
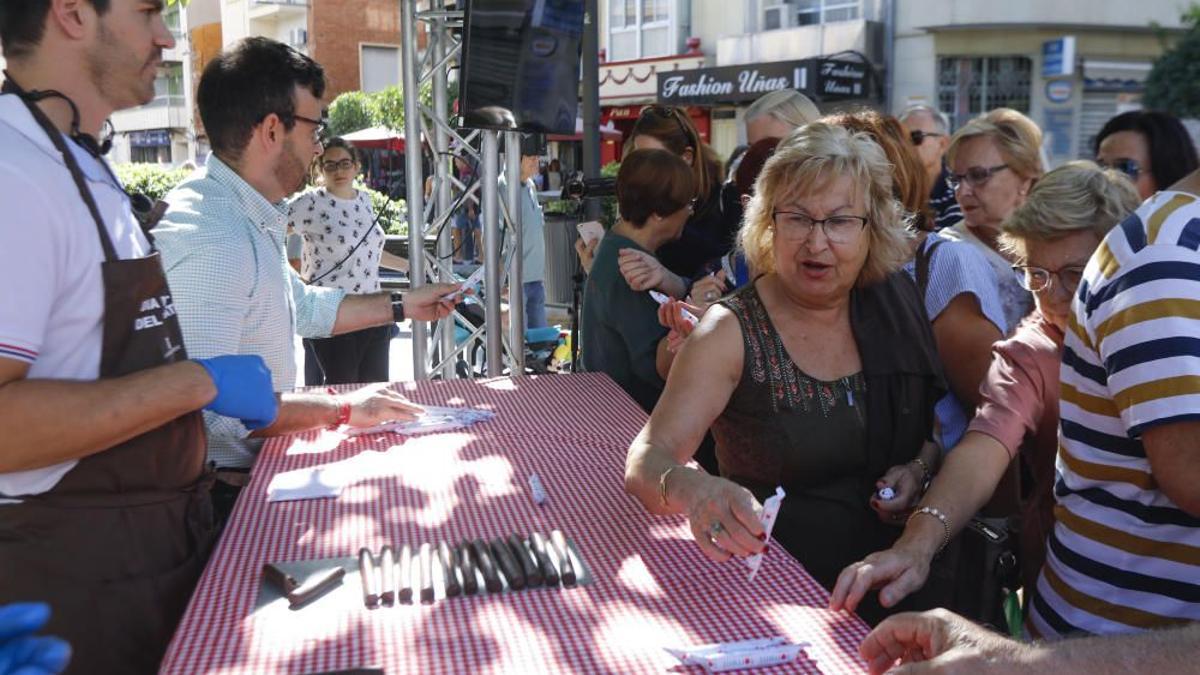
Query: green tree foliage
[
  {"x": 349, "y": 112},
  {"x": 1174, "y": 82},
  {"x": 393, "y": 213},
  {"x": 354, "y": 110},
  {"x": 152, "y": 180}
]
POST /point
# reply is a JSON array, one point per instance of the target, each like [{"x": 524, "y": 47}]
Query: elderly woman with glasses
[
  {"x": 994, "y": 161},
  {"x": 818, "y": 377},
  {"x": 343, "y": 248},
  {"x": 1051, "y": 237}
]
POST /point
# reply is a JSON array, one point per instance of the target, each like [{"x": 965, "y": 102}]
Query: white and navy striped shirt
[{"x": 1122, "y": 557}]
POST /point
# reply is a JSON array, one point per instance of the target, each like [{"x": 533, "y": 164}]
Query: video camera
[{"x": 577, "y": 187}]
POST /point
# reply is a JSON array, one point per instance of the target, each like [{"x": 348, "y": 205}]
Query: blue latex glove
[
  {"x": 244, "y": 389},
  {"x": 22, "y": 652}
]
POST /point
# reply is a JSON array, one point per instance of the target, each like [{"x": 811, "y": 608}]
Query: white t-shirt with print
[{"x": 331, "y": 227}]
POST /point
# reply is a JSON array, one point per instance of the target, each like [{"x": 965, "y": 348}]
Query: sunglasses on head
[
  {"x": 1129, "y": 167},
  {"x": 918, "y": 137},
  {"x": 672, "y": 113}
]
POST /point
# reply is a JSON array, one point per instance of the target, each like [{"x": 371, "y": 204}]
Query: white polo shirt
[{"x": 52, "y": 305}]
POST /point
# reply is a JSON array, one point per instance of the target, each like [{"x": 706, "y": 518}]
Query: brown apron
[{"x": 116, "y": 547}]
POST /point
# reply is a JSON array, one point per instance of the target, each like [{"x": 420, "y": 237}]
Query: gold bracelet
[
  {"x": 926, "y": 474},
  {"x": 662, "y": 483},
  {"x": 933, "y": 511}
]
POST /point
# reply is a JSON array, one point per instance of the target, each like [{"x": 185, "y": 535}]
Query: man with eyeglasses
[
  {"x": 222, "y": 240},
  {"x": 929, "y": 132}
]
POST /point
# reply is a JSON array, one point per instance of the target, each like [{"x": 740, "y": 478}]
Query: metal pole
[
  {"x": 441, "y": 142},
  {"x": 591, "y": 102},
  {"x": 490, "y": 212},
  {"x": 415, "y": 198},
  {"x": 516, "y": 275}
]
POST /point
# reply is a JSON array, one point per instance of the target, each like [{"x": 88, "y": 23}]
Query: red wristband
[{"x": 343, "y": 410}]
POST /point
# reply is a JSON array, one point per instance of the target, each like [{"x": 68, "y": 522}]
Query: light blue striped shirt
[
  {"x": 956, "y": 268},
  {"x": 222, "y": 246}
]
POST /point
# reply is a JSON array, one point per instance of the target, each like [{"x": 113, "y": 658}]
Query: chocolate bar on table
[
  {"x": 538, "y": 543},
  {"x": 529, "y": 567},
  {"x": 450, "y": 568},
  {"x": 508, "y": 564},
  {"x": 483, "y": 557},
  {"x": 469, "y": 582}
]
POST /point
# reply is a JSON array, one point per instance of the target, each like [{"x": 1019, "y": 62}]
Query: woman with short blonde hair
[
  {"x": 783, "y": 369},
  {"x": 995, "y": 160},
  {"x": 801, "y": 164}
]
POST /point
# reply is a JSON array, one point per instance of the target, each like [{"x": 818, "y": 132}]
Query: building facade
[
  {"x": 356, "y": 41},
  {"x": 1070, "y": 64},
  {"x": 714, "y": 58}
]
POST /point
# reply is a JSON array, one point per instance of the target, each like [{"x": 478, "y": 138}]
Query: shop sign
[
  {"x": 842, "y": 79},
  {"x": 731, "y": 84},
  {"x": 1058, "y": 57}
]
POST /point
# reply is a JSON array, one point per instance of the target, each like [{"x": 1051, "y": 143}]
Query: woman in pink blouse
[{"x": 1051, "y": 237}]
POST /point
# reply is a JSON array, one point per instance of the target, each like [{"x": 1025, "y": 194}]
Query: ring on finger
[
  {"x": 709, "y": 296},
  {"x": 715, "y": 529}
]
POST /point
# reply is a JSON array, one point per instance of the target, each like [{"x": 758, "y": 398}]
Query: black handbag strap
[{"x": 923, "y": 259}]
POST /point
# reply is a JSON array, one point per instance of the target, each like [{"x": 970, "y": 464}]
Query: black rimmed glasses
[
  {"x": 918, "y": 137},
  {"x": 797, "y": 226},
  {"x": 975, "y": 176},
  {"x": 340, "y": 165},
  {"x": 318, "y": 126},
  {"x": 672, "y": 113},
  {"x": 1127, "y": 166},
  {"x": 1037, "y": 279}
]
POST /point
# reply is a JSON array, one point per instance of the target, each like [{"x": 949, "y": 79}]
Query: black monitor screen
[{"x": 521, "y": 65}]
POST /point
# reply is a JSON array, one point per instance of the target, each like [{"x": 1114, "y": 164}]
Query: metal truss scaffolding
[{"x": 427, "y": 128}]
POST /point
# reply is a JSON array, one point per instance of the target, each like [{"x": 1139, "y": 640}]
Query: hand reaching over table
[
  {"x": 379, "y": 403},
  {"x": 940, "y": 641},
  {"x": 723, "y": 516}
]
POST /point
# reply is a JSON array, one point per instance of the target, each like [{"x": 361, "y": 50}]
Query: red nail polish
[{"x": 762, "y": 537}]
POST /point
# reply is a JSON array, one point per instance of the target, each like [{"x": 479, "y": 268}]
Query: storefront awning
[{"x": 1115, "y": 75}]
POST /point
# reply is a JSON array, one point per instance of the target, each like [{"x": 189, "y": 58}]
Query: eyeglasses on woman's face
[
  {"x": 1038, "y": 279},
  {"x": 339, "y": 165},
  {"x": 796, "y": 226},
  {"x": 976, "y": 176}
]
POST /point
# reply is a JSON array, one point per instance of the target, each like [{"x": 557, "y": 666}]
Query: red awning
[{"x": 380, "y": 138}]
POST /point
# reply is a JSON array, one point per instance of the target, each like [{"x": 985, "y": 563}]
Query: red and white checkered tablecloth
[{"x": 653, "y": 588}]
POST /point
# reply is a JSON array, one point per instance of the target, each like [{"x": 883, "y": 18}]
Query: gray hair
[
  {"x": 939, "y": 118},
  {"x": 786, "y": 105}
]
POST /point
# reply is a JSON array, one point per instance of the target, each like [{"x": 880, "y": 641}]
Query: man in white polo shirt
[{"x": 104, "y": 507}]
